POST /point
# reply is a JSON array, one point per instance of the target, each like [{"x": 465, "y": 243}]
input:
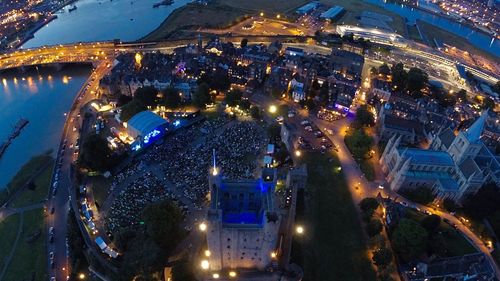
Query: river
[
  {"x": 42, "y": 97},
  {"x": 99, "y": 20},
  {"x": 478, "y": 39}
]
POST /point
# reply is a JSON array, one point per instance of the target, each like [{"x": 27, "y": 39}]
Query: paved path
[
  {"x": 14, "y": 247},
  {"x": 5, "y": 212}
]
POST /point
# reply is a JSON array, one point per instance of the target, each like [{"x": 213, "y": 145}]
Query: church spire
[{"x": 474, "y": 132}]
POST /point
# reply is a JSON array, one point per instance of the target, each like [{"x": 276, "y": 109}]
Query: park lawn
[
  {"x": 8, "y": 233},
  {"x": 441, "y": 35},
  {"x": 30, "y": 258},
  {"x": 192, "y": 16},
  {"x": 354, "y": 9},
  {"x": 24, "y": 174},
  {"x": 336, "y": 248},
  {"x": 42, "y": 183}
]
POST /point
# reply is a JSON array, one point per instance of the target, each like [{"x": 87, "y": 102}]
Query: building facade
[{"x": 454, "y": 166}]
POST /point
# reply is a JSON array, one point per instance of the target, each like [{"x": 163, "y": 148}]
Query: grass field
[
  {"x": 192, "y": 16},
  {"x": 29, "y": 259},
  {"x": 266, "y": 6},
  {"x": 24, "y": 174},
  {"x": 42, "y": 183},
  {"x": 8, "y": 232},
  {"x": 444, "y": 36},
  {"x": 335, "y": 247}
]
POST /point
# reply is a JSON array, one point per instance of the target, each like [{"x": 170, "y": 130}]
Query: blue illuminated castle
[{"x": 243, "y": 226}]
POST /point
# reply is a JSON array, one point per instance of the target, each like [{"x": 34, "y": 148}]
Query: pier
[{"x": 16, "y": 131}]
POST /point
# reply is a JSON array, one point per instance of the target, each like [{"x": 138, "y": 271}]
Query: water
[
  {"x": 478, "y": 39},
  {"x": 98, "y": 20},
  {"x": 42, "y": 98}
]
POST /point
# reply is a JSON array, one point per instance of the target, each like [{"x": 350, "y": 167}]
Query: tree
[
  {"x": 488, "y": 103},
  {"x": 245, "y": 104},
  {"x": 324, "y": 93},
  {"x": 485, "y": 202},
  {"x": 310, "y": 104},
  {"x": 123, "y": 100},
  {"x": 233, "y": 97},
  {"x": 450, "y": 205},
  {"x": 431, "y": 223},
  {"x": 171, "y": 97},
  {"x": 163, "y": 224},
  {"x": 364, "y": 117},
  {"x": 274, "y": 131},
  {"x": 202, "y": 95},
  {"x": 409, "y": 239},
  {"x": 244, "y": 43},
  {"x": 147, "y": 95},
  {"x": 416, "y": 81},
  {"x": 496, "y": 87},
  {"x": 359, "y": 143},
  {"x": 399, "y": 76},
  {"x": 384, "y": 69},
  {"x": 95, "y": 154},
  {"x": 462, "y": 95},
  {"x": 422, "y": 195},
  {"x": 368, "y": 205},
  {"x": 183, "y": 271},
  {"x": 382, "y": 257},
  {"x": 374, "y": 227},
  {"x": 373, "y": 70},
  {"x": 255, "y": 112},
  {"x": 131, "y": 109}
]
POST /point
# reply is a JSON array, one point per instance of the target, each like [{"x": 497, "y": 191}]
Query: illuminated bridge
[{"x": 72, "y": 53}]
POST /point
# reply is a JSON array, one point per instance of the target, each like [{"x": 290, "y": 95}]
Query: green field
[
  {"x": 8, "y": 233},
  {"x": 446, "y": 37},
  {"x": 266, "y": 6},
  {"x": 335, "y": 248},
  {"x": 29, "y": 259},
  {"x": 24, "y": 174},
  {"x": 192, "y": 16},
  {"x": 29, "y": 197}
]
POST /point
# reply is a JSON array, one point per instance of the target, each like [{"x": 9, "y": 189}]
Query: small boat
[{"x": 72, "y": 8}]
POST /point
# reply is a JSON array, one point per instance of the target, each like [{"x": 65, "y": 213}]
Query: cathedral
[{"x": 453, "y": 167}]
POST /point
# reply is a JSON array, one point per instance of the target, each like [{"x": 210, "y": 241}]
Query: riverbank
[
  {"x": 26, "y": 174},
  {"x": 433, "y": 32}
]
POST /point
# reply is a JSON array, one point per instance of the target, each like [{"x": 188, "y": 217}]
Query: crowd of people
[
  {"x": 184, "y": 160},
  {"x": 127, "y": 207}
]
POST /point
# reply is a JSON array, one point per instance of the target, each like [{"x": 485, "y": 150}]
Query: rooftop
[{"x": 430, "y": 157}]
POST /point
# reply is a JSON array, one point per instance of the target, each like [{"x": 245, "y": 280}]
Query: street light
[
  {"x": 298, "y": 153},
  {"x": 273, "y": 109},
  {"x": 232, "y": 274},
  {"x": 216, "y": 275},
  {"x": 207, "y": 253},
  {"x": 299, "y": 229},
  {"x": 261, "y": 14},
  {"x": 205, "y": 264},
  {"x": 203, "y": 226},
  {"x": 81, "y": 276}
]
